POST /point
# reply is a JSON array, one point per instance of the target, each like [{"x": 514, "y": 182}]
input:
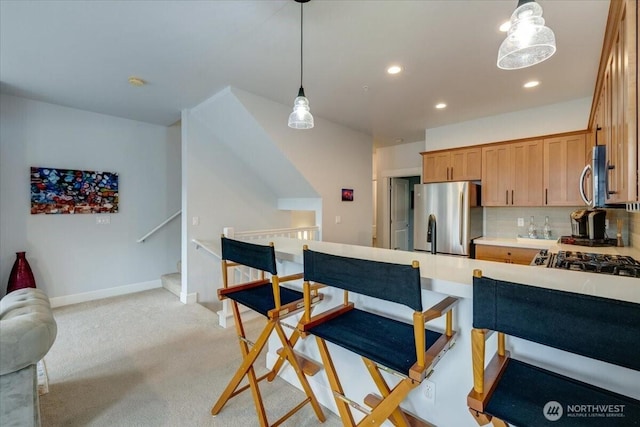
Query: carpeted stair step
[{"x": 172, "y": 282}]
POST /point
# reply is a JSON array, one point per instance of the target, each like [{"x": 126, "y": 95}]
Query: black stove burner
[{"x": 619, "y": 265}]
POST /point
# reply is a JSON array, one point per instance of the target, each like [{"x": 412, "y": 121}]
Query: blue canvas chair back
[
  {"x": 595, "y": 327},
  {"x": 255, "y": 256},
  {"x": 392, "y": 282}
]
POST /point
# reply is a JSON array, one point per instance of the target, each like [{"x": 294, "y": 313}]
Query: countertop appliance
[
  {"x": 588, "y": 223},
  {"x": 598, "y": 181},
  {"x": 579, "y": 223},
  {"x": 619, "y": 265},
  {"x": 447, "y": 216}
]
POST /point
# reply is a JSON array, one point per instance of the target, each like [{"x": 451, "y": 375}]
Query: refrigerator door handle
[{"x": 461, "y": 217}]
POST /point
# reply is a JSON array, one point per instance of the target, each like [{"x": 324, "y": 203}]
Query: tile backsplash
[{"x": 502, "y": 222}]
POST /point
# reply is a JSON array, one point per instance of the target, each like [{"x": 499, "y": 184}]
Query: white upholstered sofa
[{"x": 27, "y": 332}]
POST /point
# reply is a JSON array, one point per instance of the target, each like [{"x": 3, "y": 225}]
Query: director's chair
[
  {"x": 266, "y": 297},
  {"x": 408, "y": 351}
]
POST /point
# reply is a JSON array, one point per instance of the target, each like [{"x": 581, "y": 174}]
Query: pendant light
[
  {"x": 528, "y": 41},
  {"x": 301, "y": 117}
]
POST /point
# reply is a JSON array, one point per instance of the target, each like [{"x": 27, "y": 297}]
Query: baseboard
[
  {"x": 186, "y": 298},
  {"x": 104, "y": 293}
]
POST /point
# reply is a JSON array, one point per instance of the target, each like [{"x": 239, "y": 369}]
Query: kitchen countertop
[
  {"x": 554, "y": 246},
  {"x": 453, "y": 275}
]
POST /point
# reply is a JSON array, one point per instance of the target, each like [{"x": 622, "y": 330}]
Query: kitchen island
[{"x": 452, "y": 379}]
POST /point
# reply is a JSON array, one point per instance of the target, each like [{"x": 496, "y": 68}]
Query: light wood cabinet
[
  {"x": 507, "y": 254},
  {"x": 564, "y": 159},
  {"x": 615, "y": 112},
  {"x": 512, "y": 174},
  {"x": 452, "y": 165}
]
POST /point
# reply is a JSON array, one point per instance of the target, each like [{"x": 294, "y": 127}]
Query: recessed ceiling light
[
  {"x": 136, "y": 81},
  {"x": 505, "y": 26},
  {"x": 394, "y": 69},
  {"x": 532, "y": 83},
  {"x": 441, "y": 105}
]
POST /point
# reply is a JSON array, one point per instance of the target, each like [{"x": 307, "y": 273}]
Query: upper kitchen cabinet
[
  {"x": 564, "y": 159},
  {"x": 614, "y": 118},
  {"x": 512, "y": 174},
  {"x": 463, "y": 164}
]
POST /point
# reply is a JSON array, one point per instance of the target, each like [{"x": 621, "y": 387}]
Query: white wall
[
  {"x": 228, "y": 182},
  {"x": 397, "y": 161},
  {"x": 550, "y": 119},
  {"x": 330, "y": 157},
  {"x": 72, "y": 257},
  {"x": 220, "y": 192}
]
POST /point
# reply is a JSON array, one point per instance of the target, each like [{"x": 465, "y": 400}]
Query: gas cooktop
[{"x": 619, "y": 265}]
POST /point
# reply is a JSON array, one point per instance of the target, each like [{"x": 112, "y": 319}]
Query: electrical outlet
[
  {"x": 520, "y": 222},
  {"x": 195, "y": 220},
  {"x": 429, "y": 390}
]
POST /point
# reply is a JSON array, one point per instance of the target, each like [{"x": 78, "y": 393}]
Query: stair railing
[
  {"x": 303, "y": 233},
  {"x": 162, "y": 224}
]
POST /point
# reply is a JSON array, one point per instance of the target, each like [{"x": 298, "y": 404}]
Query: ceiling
[{"x": 81, "y": 53}]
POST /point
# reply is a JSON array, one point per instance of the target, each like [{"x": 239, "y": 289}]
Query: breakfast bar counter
[{"x": 453, "y": 275}]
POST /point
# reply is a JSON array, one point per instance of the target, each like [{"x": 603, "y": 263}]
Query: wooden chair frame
[
  {"x": 250, "y": 351},
  {"x": 485, "y": 378},
  {"x": 386, "y": 406}
]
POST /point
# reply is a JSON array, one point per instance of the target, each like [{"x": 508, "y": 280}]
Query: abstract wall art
[{"x": 66, "y": 191}]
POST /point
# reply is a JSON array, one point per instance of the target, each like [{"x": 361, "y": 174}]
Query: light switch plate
[
  {"x": 103, "y": 219},
  {"x": 520, "y": 222}
]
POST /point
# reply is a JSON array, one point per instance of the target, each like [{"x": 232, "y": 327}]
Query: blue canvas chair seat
[
  {"x": 508, "y": 390},
  {"x": 386, "y": 341},
  {"x": 266, "y": 297},
  {"x": 260, "y": 299},
  {"x": 409, "y": 350},
  {"x": 521, "y": 405}
]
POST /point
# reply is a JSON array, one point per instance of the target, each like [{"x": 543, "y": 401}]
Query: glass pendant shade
[
  {"x": 528, "y": 41},
  {"x": 301, "y": 117}
]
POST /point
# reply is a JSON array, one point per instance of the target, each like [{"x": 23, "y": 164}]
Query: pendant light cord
[{"x": 301, "y": 35}]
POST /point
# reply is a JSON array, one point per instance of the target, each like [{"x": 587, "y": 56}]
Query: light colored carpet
[{"x": 148, "y": 360}]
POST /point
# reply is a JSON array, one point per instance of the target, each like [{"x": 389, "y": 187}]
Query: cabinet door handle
[
  {"x": 511, "y": 196},
  {"x": 606, "y": 181},
  {"x": 546, "y": 196},
  {"x": 451, "y": 173},
  {"x": 506, "y": 193}
]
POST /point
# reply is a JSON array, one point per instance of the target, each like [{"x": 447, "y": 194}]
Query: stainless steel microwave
[{"x": 594, "y": 176}]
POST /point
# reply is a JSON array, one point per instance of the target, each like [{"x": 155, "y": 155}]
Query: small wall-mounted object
[
  {"x": 103, "y": 220},
  {"x": 347, "y": 194}
]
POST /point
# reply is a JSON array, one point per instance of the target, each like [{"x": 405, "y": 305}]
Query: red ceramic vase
[{"x": 21, "y": 275}]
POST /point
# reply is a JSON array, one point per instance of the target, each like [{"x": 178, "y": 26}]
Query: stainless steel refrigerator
[{"x": 448, "y": 214}]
